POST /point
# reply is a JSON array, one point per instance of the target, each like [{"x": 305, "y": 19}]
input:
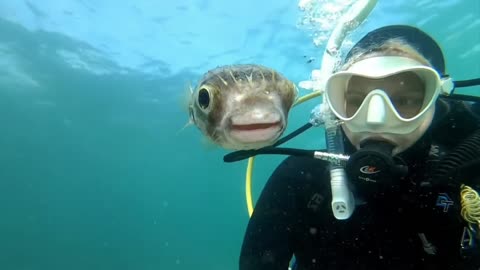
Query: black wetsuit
[{"x": 413, "y": 226}]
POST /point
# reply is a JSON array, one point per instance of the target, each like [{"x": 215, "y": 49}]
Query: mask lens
[{"x": 405, "y": 90}]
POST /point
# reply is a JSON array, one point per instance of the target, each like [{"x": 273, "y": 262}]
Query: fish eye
[{"x": 203, "y": 98}]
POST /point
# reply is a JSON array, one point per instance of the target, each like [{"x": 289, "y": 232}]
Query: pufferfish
[{"x": 242, "y": 106}]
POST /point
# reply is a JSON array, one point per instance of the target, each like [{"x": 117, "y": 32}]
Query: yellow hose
[
  {"x": 248, "y": 186},
  {"x": 307, "y": 97},
  {"x": 248, "y": 178}
]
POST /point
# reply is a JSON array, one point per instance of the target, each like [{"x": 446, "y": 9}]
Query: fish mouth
[{"x": 253, "y": 130}]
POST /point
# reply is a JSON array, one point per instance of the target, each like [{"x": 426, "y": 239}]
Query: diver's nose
[{"x": 376, "y": 114}]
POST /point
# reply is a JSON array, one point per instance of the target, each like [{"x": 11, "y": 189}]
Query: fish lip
[
  {"x": 255, "y": 117},
  {"x": 253, "y": 128},
  {"x": 274, "y": 129},
  {"x": 256, "y": 137},
  {"x": 246, "y": 122},
  {"x": 255, "y": 133}
]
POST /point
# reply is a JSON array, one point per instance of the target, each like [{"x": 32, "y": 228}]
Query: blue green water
[{"x": 94, "y": 173}]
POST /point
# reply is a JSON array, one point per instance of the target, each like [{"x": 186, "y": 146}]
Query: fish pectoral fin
[
  {"x": 311, "y": 85},
  {"x": 186, "y": 98},
  {"x": 189, "y": 123}
]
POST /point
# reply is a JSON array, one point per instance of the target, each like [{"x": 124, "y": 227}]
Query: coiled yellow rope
[{"x": 470, "y": 201}]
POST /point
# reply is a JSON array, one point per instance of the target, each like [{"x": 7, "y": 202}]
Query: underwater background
[{"x": 96, "y": 170}]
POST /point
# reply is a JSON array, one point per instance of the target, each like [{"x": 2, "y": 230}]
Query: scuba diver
[{"x": 412, "y": 151}]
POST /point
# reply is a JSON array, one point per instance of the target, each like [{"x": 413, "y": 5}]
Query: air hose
[
  {"x": 466, "y": 152},
  {"x": 466, "y": 156}
]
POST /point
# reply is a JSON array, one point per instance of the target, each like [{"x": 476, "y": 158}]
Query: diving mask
[{"x": 387, "y": 94}]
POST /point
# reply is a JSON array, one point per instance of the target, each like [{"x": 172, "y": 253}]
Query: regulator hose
[{"x": 463, "y": 156}]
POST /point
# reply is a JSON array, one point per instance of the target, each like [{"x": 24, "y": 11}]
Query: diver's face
[
  {"x": 389, "y": 98},
  {"x": 406, "y": 91},
  {"x": 401, "y": 142}
]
